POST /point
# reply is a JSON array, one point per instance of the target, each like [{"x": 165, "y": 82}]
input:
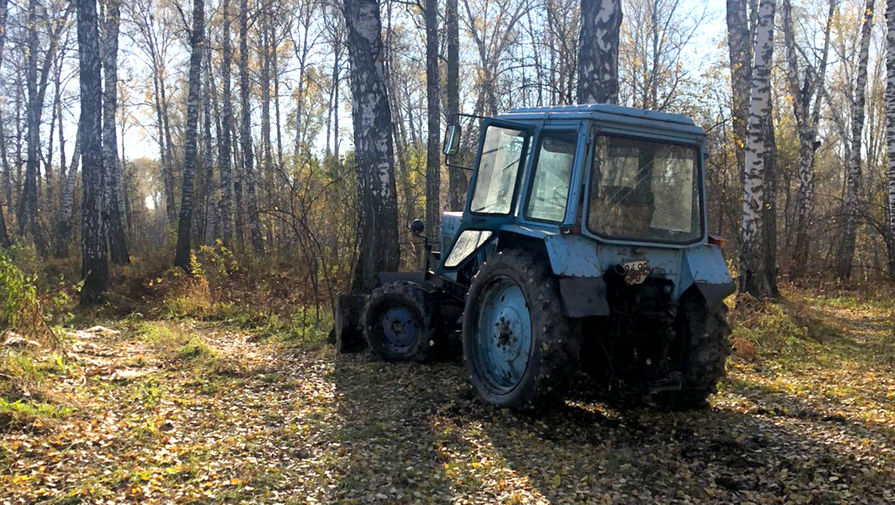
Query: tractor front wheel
[
  {"x": 400, "y": 322},
  {"x": 517, "y": 343}
]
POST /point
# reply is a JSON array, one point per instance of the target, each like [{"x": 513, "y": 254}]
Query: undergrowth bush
[{"x": 19, "y": 306}]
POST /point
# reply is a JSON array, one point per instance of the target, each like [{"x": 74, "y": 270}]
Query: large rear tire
[
  {"x": 705, "y": 335},
  {"x": 400, "y": 322},
  {"x": 517, "y": 343}
]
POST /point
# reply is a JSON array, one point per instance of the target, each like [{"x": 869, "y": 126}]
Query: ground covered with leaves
[{"x": 171, "y": 407}]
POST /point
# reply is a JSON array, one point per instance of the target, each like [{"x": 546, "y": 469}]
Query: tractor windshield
[{"x": 645, "y": 190}]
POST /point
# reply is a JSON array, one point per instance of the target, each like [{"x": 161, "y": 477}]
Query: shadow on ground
[{"x": 417, "y": 434}]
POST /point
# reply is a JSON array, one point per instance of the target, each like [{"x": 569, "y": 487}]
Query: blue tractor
[{"x": 582, "y": 247}]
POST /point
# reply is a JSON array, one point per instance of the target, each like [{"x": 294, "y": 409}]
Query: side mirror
[
  {"x": 452, "y": 140},
  {"x": 417, "y": 227}
]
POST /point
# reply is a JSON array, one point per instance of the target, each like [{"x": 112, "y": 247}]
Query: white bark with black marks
[
  {"x": 753, "y": 279},
  {"x": 598, "y": 51},
  {"x": 890, "y": 131},
  {"x": 374, "y": 155},
  {"x": 64, "y": 224},
  {"x": 94, "y": 262},
  {"x": 852, "y": 208},
  {"x": 112, "y": 215},
  {"x": 433, "y": 111},
  {"x": 246, "y": 131},
  {"x": 184, "y": 231}
]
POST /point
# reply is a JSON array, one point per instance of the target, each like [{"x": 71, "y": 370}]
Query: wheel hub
[
  {"x": 504, "y": 329},
  {"x": 399, "y": 327}
]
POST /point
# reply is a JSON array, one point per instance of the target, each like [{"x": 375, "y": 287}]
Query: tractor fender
[
  {"x": 583, "y": 296},
  {"x": 574, "y": 260},
  {"x": 707, "y": 271}
]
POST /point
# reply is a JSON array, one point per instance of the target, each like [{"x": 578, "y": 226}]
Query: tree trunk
[
  {"x": 113, "y": 219},
  {"x": 598, "y": 51},
  {"x": 853, "y": 185},
  {"x": 4, "y": 234},
  {"x": 246, "y": 127},
  {"x": 754, "y": 279},
  {"x": 209, "y": 221},
  {"x": 64, "y": 224},
  {"x": 224, "y": 147},
  {"x": 184, "y": 234},
  {"x": 27, "y": 216},
  {"x": 433, "y": 110},
  {"x": 739, "y": 43},
  {"x": 377, "y": 199},
  {"x": 890, "y": 130},
  {"x": 457, "y": 181},
  {"x": 94, "y": 265},
  {"x": 806, "y": 123}
]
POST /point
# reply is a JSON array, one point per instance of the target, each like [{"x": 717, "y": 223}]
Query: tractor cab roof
[{"x": 613, "y": 117}]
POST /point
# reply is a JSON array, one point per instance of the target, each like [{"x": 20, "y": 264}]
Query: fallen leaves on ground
[{"x": 257, "y": 421}]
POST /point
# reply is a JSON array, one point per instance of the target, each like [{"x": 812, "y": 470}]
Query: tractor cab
[{"x": 582, "y": 245}]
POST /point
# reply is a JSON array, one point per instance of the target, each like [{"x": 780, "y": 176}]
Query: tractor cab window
[
  {"x": 550, "y": 185},
  {"x": 502, "y": 154},
  {"x": 645, "y": 190}
]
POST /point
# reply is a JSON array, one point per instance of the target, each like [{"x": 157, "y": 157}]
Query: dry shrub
[
  {"x": 20, "y": 309},
  {"x": 744, "y": 348}
]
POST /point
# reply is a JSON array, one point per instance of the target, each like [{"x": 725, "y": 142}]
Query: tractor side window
[
  {"x": 550, "y": 185},
  {"x": 499, "y": 165}
]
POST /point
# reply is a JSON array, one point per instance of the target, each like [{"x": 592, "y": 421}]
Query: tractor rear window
[
  {"x": 496, "y": 180},
  {"x": 645, "y": 190}
]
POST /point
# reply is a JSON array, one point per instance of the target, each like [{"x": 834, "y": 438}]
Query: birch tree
[
  {"x": 94, "y": 264},
  {"x": 598, "y": 51},
  {"x": 754, "y": 279},
  {"x": 374, "y": 155},
  {"x": 64, "y": 223},
  {"x": 4, "y": 12},
  {"x": 433, "y": 153},
  {"x": 852, "y": 208},
  {"x": 224, "y": 147},
  {"x": 184, "y": 226},
  {"x": 739, "y": 43},
  {"x": 114, "y": 221},
  {"x": 457, "y": 182},
  {"x": 890, "y": 131},
  {"x": 37, "y": 71},
  {"x": 246, "y": 130},
  {"x": 803, "y": 88}
]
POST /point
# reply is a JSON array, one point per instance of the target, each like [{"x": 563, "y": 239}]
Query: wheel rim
[
  {"x": 503, "y": 336},
  {"x": 399, "y": 328}
]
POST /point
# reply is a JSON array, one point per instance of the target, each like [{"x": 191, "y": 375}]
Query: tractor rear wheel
[
  {"x": 400, "y": 322},
  {"x": 705, "y": 333},
  {"x": 516, "y": 339}
]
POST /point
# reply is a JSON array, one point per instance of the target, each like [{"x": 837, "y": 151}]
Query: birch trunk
[
  {"x": 4, "y": 234},
  {"x": 806, "y": 123},
  {"x": 852, "y": 209},
  {"x": 28, "y": 208},
  {"x": 739, "y": 43},
  {"x": 184, "y": 232},
  {"x": 377, "y": 200},
  {"x": 754, "y": 279},
  {"x": 113, "y": 220},
  {"x": 433, "y": 110},
  {"x": 890, "y": 131},
  {"x": 64, "y": 224},
  {"x": 224, "y": 148},
  {"x": 246, "y": 127},
  {"x": 94, "y": 264},
  {"x": 457, "y": 181},
  {"x": 209, "y": 221},
  {"x": 598, "y": 51}
]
